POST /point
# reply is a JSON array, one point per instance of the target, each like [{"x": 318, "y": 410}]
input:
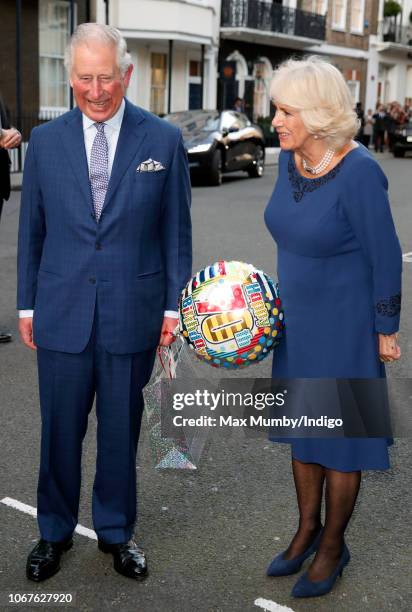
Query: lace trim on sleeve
[{"x": 389, "y": 307}]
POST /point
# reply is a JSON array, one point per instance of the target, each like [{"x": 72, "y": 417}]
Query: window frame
[
  {"x": 154, "y": 51},
  {"x": 354, "y": 88},
  {"x": 362, "y": 19},
  {"x": 340, "y": 27},
  {"x": 49, "y": 111}
]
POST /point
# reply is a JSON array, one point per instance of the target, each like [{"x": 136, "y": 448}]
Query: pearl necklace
[{"x": 322, "y": 165}]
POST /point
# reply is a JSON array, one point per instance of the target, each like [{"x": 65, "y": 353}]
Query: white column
[
  {"x": 371, "y": 96},
  {"x": 132, "y": 92},
  {"x": 98, "y": 11},
  {"x": 210, "y": 74}
]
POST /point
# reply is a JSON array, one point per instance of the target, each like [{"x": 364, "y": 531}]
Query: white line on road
[
  {"x": 266, "y": 604},
  {"x": 407, "y": 257},
  {"x": 271, "y": 606},
  {"x": 14, "y": 503}
]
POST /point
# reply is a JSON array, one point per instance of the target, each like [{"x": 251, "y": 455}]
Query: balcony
[
  {"x": 283, "y": 25},
  {"x": 392, "y": 33}
]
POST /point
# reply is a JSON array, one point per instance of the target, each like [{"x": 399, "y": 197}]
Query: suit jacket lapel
[
  {"x": 73, "y": 142},
  {"x": 131, "y": 137}
]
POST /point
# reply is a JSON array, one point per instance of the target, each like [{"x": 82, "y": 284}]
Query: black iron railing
[
  {"x": 272, "y": 17},
  {"x": 390, "y": 31},
  {"x": 26, "y": 123}
]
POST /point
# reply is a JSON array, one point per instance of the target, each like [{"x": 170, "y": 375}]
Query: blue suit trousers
[{"x": 68, "y": 385}]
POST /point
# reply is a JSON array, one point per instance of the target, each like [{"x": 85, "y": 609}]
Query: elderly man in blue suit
[{"x": 104, "y": 250}]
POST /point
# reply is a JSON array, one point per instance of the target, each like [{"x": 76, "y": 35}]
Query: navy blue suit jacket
[{"x": 135, "y": 260}]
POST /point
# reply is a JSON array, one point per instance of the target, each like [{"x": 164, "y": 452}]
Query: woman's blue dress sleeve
[{"x": 366, "y": 206}]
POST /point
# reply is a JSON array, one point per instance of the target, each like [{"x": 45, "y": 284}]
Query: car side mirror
[
  {"x": 225, "y": 132},
  {"x": 234, "y": 128}
]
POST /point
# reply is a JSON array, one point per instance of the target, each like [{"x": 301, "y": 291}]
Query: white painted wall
[
  {"x": 178, "y": 16},
  {"x": 409, "y": 81},
  {"x": 139, "y": 88},
  {"x": 149, "y": 24},
  {"x": 180, "y": 89},
  {"x": 395, "y": 74}
]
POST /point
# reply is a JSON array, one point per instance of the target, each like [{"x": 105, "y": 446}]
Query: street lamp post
[{"x": 18, "y": 74}]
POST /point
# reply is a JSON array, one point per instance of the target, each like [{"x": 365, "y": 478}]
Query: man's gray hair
[{"x": 98, "y": 32}]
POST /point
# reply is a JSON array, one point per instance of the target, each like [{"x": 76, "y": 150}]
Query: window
[
  {"x": 354, "y": 88},
  {"x": 54, "y": 32},
  {"x": 339, "y": 14},
  {"x": 313, "y": 6},
  {"x": 158, "y": 83},
  {"x": 195, "y": 84},
  {"x": 357, "y": 11}
]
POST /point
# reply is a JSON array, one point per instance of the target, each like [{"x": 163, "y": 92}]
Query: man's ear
[{"x": 127, "y": 76}]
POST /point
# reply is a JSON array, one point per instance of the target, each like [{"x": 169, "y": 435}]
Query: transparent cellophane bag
[{"x": 183, "y": 451}]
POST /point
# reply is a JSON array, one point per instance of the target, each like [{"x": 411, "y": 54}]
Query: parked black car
[
  {"x": 220, "y": 142},
  {"x": 402, "y": 140}
]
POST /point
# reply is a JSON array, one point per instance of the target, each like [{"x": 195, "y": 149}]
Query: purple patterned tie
[{"x": 99, "y": 169}]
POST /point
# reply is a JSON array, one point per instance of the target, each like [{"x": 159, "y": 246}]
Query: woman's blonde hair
[{"x": 318, "y": 91}]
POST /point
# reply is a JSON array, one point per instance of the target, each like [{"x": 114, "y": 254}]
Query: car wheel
[
  {"x": 258, "y": 168},
  {"x": 215, "y": 172},
  {"x": 398, "y": 152}
]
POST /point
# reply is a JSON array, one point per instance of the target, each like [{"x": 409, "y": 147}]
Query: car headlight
[{"x": 201, "y": 148}]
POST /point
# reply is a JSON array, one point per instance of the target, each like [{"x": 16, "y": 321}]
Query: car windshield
[{"x": 194, "y": 121}]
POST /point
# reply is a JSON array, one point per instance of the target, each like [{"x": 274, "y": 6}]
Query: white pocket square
[{"x": 150, "y": 165}]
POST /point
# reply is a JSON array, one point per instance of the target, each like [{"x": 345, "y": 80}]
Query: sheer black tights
[{"x": 341, "y": 490}]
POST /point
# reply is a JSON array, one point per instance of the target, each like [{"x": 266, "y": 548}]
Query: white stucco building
[
  {"x": 174, "y": 46},
  {"x": 390, "y": 61}
]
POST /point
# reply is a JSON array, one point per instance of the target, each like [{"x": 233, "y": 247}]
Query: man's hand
[
  {"x": 389, "y": 349},
  {"x": 167, "y": 336},
  {"x": 26, "y": 331},
  {"x": 10, "y": 139}
]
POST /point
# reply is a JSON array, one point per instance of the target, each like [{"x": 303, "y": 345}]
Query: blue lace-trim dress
[{"x": 339, "y": 271}]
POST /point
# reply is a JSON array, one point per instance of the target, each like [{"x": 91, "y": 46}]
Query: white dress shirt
[{"x": 112, "y": 130}]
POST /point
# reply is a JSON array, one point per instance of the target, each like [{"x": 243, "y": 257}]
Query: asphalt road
[{"x": 209, "y": 534}]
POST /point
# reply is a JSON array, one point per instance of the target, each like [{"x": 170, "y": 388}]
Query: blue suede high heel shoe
[
  {"x": 286, "y": 567},
  {"x": 305, "y": 588}
]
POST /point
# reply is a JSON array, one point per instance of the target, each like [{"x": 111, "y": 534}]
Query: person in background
[
  {"x": 392, "y": 122},
  {"x": 361, "y": 116},
  {"x": 368, "y": 129},
  {"x": 380, "y": 119},
  {"x": 239, "y": 105},
  {"x": 10, "y": 138}
]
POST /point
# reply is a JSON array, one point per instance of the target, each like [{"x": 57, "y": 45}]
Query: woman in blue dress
[{"x": 339, "y": 270}]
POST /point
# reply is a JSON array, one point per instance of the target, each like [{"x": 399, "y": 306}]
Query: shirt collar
[{"x": 114, "y": 122}]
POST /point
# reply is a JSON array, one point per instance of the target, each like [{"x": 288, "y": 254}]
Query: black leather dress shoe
[
  {"x": 129, "y": 559},
  {"x": 5, "y": 337},
  {"x": 44, "y": 560}
]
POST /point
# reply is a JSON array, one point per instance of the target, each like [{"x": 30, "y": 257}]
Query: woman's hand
[
  {"x": 389, "y": 349},
  {"x": 10, "y": 139}
]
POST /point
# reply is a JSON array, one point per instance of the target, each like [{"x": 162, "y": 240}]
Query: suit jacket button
[
  {"x": 92, "y": 281},
  {"x": 98, "y": 246}
]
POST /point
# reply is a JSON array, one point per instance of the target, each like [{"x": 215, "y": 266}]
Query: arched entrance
[{"x": 262, "y": 72}]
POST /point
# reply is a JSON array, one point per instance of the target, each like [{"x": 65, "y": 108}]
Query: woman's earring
[{"x": 315, "y": 136}]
